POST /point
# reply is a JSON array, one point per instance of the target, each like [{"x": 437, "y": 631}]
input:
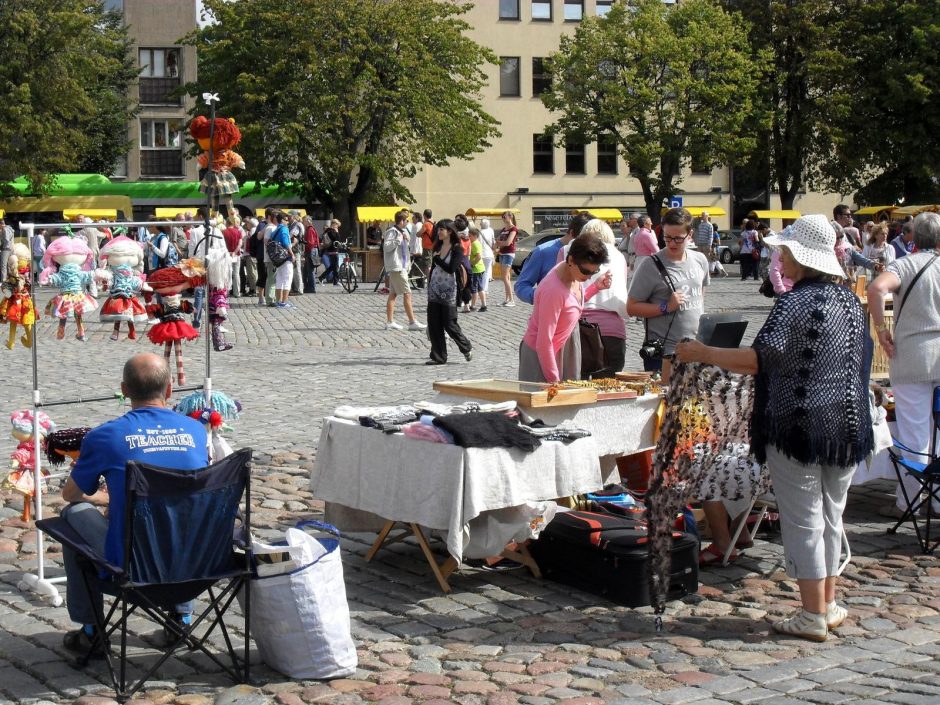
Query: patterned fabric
[
  {"x": 702, "y": 448},
  {"x": 122, "y": 305},
  {"x": 18, "y": 307},
  {"x": 811, "y": 394},
  {"x": 219, "y": 183}
]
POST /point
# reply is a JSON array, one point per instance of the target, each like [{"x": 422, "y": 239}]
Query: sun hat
[
  {"x": 811, "y": 240},
  {"x": 294, "y": 212}
]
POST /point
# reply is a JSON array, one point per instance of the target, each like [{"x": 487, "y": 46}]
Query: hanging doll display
[
  {"x": 67, "y": 264},
  {"x": 16, "y": 306},
  {"x": 218, "y": 283},
  {"x": 173, "y": 328},
  {"x": 23, "y": 460},
  {"x": 222, "y": 408},
  {"x": 124, "y": 259},
  {"x": 217, "y": 179}
]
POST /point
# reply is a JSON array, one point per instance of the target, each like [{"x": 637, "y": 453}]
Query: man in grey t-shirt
[
  {"x": 6, "y": 246},
  {"x": 671, "y": 315}
]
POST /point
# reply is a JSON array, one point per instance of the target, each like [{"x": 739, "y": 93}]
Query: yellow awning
[
  {"x": 2, "y": 213},
  {"x": 488, "y": 212},
  {"x": 96, "y": 213},
  {"x": 914, "y": 210},
  {"x": 173, "y": 211},
  {"x": 767, "y": 215},
  {"x": 696, "y": 211},
  {"x": 260, "y": 211},
  {"x": 77, "y": 204},
  {"x": 611, "y": 215},
  {"x": 874, "y": 210},
  {"x": 366, "y": 214}
]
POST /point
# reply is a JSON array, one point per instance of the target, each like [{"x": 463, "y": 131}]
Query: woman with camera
[
  {"x": 667, "y": 290},
  {"x": 811, "y": 421},
  {"x": 550, "y": 350}
]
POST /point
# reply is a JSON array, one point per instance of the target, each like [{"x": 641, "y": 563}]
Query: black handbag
[
  {"x": 767, "y": 288},
  {"x": 277, "y": 253},
  {"x": 593, "y": 354}
]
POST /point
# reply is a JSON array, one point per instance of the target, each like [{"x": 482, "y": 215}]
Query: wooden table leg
[
  {"x": 377, "y": 544},
  {"x": 521, "y": 555},
  {"x": 441, "y": 571}
]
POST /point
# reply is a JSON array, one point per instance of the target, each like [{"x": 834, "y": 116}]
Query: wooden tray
[
  {"x": 625, "y": 394},
  {"x": 530, "y": 394},
  {"x": 634, "y": 376}
]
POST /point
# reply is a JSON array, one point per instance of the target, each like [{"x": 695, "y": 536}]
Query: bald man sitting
[{"x": 150, "y": 433}]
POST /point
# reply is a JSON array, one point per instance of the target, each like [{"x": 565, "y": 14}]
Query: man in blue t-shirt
[
  {"x": 544, "y": 257},
  {"x": 149, "y": 432}
]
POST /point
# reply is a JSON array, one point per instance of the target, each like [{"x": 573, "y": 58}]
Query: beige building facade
[
  {"x": 157, "y": 134},
  {"x": 520, "y": 170}
]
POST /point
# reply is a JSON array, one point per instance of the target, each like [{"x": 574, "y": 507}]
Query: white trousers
[
  {"x": 913, "y": 405},
  {"x": 811, "y": 499}
]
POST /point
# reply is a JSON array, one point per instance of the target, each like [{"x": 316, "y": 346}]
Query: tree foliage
[
  {"x": 64, "y": 76},
  {"x": 885, "y": 107},
  {"x": 801, "y": 38},
  {"x": 670, "y": 85},
  {"x": 347, "y": 98}
]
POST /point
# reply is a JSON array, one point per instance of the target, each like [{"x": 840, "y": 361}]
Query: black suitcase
[{"x": 609, "y": 556}]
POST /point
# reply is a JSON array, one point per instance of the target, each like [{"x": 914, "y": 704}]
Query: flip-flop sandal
[{"x": 712, "y": 555}]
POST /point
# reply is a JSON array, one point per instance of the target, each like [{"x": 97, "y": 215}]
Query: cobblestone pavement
[{"x": 497, "y": 638}]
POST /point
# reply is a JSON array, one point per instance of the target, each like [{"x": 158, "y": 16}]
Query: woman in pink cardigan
[{"x": 551, "y": 347}]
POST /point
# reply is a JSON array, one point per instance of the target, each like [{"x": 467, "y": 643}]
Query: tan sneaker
[
  {"x": 835, "y": 615},
  {"x": 806, "y": 625}
]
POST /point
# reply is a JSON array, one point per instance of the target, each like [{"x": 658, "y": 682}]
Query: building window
[
  {"x": 114, "y": 5},
  {"x": 603, "y": 7},
  {"x": 509, "y": 9},
  {"x": 159, "y": 76},
  {"x": 574, "y": 157},
  {"x": 543, "y": 157},
  {"x": 542, "y": 10},
  {"x": 509, "y": 76},
  {"x": 541, "y": 78},
  {"x": 574, "y": 10},
  {"x": 161, "y": 147},
  {"x": 606, "y": 155}
]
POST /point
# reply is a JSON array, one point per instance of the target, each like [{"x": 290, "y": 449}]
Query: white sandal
[{"x": 806, "y": 625}]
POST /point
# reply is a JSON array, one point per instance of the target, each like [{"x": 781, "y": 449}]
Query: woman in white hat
[{"x": 811, "y": 421}]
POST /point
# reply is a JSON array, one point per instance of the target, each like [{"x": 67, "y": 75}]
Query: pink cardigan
[{"x": 554, "y": 317}]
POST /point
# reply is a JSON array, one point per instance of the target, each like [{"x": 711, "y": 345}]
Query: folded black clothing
[
  {"x": 487, "y": 429},
  {"x": 393, "y": 418}
]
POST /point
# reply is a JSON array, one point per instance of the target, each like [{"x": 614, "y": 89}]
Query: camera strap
[{"x": 668, "y": 280}]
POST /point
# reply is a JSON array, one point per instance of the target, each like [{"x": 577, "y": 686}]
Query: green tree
[
  {"x": 347, "y": 98},
  {"x": 669, "y": 85},
  {"x": 800, "y": 37},
  {"x": 885, "y": 107},
  {"x": 63, "y": 89}
]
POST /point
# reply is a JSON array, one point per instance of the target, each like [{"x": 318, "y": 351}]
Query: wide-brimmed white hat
[{"x": 812, "y": 241}]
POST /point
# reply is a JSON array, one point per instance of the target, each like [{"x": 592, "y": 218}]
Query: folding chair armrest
[
  {"x": 897, "y": 444},
  {"x": 59, "y": 529}
]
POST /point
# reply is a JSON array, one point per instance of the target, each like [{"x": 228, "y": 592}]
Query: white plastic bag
[{"x": 300, "y": 619}]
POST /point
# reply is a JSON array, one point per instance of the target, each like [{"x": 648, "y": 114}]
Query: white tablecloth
[{"x": 443, "y": 486}]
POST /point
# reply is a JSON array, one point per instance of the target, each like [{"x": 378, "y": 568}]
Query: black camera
[{"x": 651, "y": 349}]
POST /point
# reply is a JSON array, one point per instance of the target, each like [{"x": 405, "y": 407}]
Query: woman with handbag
[
  {"x": 668, "y": 292},
  {"x": 550, "y": 350},
  {"x": 750, "y": 250},
  {"x": 283, "y": 272},
  {"x": 448, "y": 267},
  {"x": 506, "y": 242}
]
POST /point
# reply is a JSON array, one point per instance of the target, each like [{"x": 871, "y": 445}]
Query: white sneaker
[
  {"x": 414, "y": 325},
  {"x": 394, "y": 326},
  {"x": 805, "y": 625},
  {"x": 835, "y": 614},
  {"x": 509, "y": 303}
]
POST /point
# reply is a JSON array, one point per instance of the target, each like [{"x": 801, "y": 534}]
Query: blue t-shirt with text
[{"x": 152, "y": 435}]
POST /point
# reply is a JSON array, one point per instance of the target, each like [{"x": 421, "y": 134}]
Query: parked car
[
  {"x": 729, "y": 250},
  {"x": 526, "y": 243}
]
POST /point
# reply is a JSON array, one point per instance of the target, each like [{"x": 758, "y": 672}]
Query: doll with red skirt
[{"x": 172, "y": 311}]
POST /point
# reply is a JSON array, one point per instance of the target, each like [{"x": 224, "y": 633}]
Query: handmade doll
[
  {"x": 217, "y": 179},
  {"x": 16, "y": 306},
  {"x": 173, "y": 327},
  {"x": 218, "y": 282},
  {"x": 65, "y": 443},
  {"x": 221, "y": 409},
  {"x": 124, "y": 259},
  {"x": 24, "y": 460},
  {"x": 67, "y": 264}
]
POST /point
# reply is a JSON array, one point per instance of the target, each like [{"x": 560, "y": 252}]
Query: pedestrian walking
[{"x": 448, "y": 267}]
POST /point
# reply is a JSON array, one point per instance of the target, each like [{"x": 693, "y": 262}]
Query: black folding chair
[
  {"x": 181, "y": 539},
  {"x": 927, "y": 475}
]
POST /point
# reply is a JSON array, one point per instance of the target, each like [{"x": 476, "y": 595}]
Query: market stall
[{"x": 478, "y": 498}]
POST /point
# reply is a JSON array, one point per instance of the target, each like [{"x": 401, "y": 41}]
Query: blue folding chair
[
  {"x": 180, "y": 536},
  {"x": 927, "y": 475}
]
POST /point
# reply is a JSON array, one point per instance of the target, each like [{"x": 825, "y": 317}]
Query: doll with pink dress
[{"x": 67, "y": 264}]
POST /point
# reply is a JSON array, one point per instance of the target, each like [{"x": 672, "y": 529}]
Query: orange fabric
[{"x": 427, "y": 242}]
